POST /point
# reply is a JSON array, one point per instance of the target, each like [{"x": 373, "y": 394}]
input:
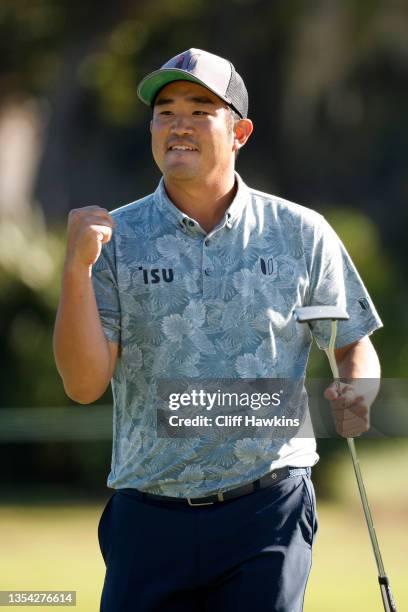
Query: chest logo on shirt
[
  {"x": 155, "y": 275},
  {"x": 267, "y": 266}
]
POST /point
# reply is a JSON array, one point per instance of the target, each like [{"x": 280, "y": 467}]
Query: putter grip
[{"x": 386, "y": 594}]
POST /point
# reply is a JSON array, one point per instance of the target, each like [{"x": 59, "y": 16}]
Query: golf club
[{"x": 308, "y": 314}]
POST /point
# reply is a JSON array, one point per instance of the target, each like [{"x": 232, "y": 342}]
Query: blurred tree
[
  {"x": 325, "y": 81},
  {"x": 327, "y": 95}
]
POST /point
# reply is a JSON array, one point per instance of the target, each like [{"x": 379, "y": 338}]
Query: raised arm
[{"x": 84, "y": 358}]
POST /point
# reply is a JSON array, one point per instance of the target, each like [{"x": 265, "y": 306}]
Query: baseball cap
[{"x": 215, "y": 73}]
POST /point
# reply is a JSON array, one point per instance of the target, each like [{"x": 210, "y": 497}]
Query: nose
[{"x": 181, "y": 125}]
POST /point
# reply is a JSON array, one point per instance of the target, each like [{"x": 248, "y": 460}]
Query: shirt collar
[{"x": 174, "y": 214}]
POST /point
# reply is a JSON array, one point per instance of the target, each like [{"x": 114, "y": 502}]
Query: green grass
[
  {"x": 56, "y": 547},
  {"x": 344, "y": 573},
  {"x": 52, "y": 548}
]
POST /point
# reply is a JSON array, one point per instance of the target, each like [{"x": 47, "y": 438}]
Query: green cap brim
[{"x": 153, "y": 82}]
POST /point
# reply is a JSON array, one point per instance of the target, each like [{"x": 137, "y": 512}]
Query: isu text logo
[{"x": 155, "y": 275}]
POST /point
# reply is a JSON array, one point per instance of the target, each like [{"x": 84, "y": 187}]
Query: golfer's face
[{"x": 191, "y": 131}]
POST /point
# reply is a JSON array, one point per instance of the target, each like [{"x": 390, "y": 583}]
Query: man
[{"x": 200, "y": 280}]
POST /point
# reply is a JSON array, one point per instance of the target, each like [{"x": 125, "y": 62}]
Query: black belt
[{"x": 262, "y": 483}]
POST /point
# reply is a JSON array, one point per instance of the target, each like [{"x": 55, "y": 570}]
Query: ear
[
  {"x": 242, "y": 131},
  {"x": 150, "y": 125}
]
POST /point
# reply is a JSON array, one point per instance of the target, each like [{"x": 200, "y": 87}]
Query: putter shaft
[{"x": 386, "y": 593}]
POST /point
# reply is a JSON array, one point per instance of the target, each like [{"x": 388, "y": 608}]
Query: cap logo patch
[{"x": 186, "y": 62}]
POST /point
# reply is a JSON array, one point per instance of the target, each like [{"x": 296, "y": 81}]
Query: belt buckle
[{"x": 189, "y": 500}]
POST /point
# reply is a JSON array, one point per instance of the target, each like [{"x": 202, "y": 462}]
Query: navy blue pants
[{"x": 250, "y": 553}]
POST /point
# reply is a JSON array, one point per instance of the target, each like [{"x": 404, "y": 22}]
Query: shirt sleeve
[
  {"x": 106, "y": 292},
  {"x": 334, "y": 281}
]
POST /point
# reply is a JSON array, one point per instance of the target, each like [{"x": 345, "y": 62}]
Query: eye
[
  {"x": 165, "y": 112},
  {"x": 200, "y": 113}
]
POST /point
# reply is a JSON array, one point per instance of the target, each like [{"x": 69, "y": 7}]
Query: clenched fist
[{"x": 88, "y": 229}]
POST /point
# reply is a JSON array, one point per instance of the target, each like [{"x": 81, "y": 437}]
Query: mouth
[{"x": 182, "y": 147}]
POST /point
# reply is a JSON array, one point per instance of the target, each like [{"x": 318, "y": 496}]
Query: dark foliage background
[{"x": 328, "y": 96}]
